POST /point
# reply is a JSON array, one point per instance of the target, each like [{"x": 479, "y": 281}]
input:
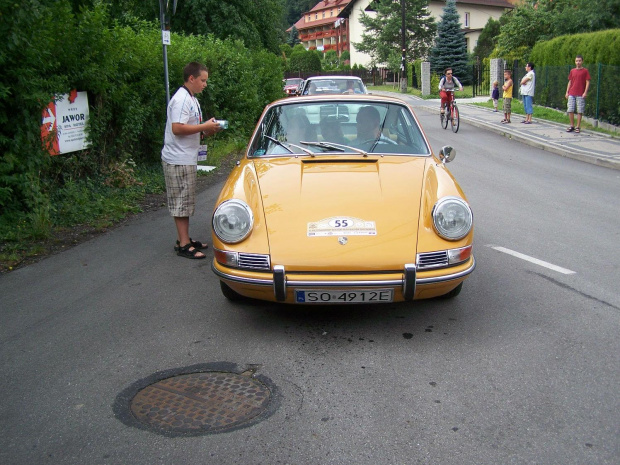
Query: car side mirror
[{"x": 447, "y": 154}]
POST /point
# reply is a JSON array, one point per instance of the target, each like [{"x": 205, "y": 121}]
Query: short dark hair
[
  {"x": 530, "y": 64},
  {"x": 370, "y": 113},
  {"x": 508, "y": 71},
  {"x": 447, "y": 69},
  {"x": 579, "y": 56},
  {"x": 193, "y": 69}
]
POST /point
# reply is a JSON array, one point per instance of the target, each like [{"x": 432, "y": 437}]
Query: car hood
[{"x": 308, "y": 201}]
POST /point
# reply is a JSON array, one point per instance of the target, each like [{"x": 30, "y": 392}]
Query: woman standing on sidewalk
[{"x": 528, "y": 86}]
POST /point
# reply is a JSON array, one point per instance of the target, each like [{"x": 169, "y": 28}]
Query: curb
[{"x": 527, "y": 139}]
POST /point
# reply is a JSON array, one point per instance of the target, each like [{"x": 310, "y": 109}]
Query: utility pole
[
  {"x": 403, "y": 63},
  {"x": 164, "y": 18}
]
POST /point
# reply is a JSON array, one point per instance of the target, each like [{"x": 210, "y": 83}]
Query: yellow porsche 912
[{"x": 339, "y": 199}]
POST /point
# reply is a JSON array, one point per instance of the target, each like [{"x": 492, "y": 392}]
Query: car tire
[
  {"x": 229, "y": 293},
  {"x": 453, "y": 293}
]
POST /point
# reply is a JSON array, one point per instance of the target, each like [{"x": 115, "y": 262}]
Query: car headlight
[
  {"x": 452, "y": 218},
  {"x": 232, "y": 221}
]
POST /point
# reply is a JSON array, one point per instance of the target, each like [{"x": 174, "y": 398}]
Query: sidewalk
[{"x": 588, "y": 146}]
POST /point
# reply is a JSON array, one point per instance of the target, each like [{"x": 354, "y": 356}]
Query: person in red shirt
[{"x": 576, "y": 93}]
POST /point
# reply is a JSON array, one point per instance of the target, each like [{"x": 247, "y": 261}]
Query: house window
[
  {"x": 331, "y": 13},
  {"x": 316, "y": 16},
  {"x": 309, "y": 18},
  {"x": 467, "y": 20},
  {"x": 323, "y": 15}
]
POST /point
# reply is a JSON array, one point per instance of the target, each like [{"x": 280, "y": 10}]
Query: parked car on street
[
  {"x": 319, "y": 85},
  {"x": 291, "y": 85},
  {"x": 340, "y": 199}
]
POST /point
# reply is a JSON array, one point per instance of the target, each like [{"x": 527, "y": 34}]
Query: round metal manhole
[{"x": 198, "y": 403}]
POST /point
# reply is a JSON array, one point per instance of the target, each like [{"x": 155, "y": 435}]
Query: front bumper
[{"x": 408, "y": 284}]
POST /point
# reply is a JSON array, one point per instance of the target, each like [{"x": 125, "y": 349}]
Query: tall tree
[
  {"x": 450, "y": 49},
  {"x": 249, "y": 20},
  {"x": 295, "y": 8},
  {"x": 293, "y": 37},
  {"x": 533, "y": 21},
  {"x": 488, "y": 38},
  {"x": 383, "y": 30}
]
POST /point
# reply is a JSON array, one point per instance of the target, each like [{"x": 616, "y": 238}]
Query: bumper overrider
[{"x": 409, "y": 283}]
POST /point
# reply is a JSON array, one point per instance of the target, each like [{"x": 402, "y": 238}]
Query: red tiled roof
[
  {"x": 302, "y": 24},
  {"x": 320, "y": 6},
  {"x": 323, "y": 5}
]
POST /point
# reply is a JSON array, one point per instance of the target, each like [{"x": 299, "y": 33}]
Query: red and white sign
[{"x": 63, "y": 124}]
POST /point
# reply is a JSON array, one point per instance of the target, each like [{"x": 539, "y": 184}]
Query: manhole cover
[{"x": 198, "y": 403}]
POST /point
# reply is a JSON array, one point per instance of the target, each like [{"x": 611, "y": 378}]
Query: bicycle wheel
[
  {"x": 455, "y": 118},
  {"x": 445, "y": 118}
]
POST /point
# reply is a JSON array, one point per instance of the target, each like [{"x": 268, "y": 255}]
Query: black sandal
[
  {"x": 195, "y": 244},
  {"x": 189, "y": 251}
]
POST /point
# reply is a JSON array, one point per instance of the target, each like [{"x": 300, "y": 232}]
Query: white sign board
[{"x": 66, "y": 118}]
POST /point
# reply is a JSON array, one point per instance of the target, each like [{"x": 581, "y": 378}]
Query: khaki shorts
[
  {"x": 507, "y": 105},
  {"x": 180, "y": 188}
]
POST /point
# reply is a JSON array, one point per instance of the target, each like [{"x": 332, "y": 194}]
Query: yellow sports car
[{"x": 339, "y": 199}]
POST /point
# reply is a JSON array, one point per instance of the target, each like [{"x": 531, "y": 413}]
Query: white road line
[{"x": 536, "y": 261}]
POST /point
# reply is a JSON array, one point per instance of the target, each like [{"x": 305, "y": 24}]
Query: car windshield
[
  {"x": 338, "y": 127},
  {"x": 292, "y": 82},
  {"x": 318, "y": 86}
]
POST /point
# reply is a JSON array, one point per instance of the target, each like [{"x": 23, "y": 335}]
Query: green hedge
[
  {"x": 601, "y": 55},
  {"x": 596, "y": 47},
  {"x": 48, "y": 50}
]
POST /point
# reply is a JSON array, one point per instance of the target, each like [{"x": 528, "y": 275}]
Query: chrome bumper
[{"x": 408, "y": 282}]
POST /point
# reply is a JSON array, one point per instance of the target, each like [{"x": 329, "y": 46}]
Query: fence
[
  {"x": 481, "y": 76},
  {"x": 602, "y": 103}
]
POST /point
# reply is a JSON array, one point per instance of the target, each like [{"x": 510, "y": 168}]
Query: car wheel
[
  {"x": 453, "y": 293},
  {"x": 229, "y": 293}
]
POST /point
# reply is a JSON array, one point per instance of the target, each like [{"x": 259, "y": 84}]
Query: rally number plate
[{"x": 321, "y": 296}]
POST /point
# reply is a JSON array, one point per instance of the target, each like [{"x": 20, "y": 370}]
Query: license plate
[{"x": 343, "y": 297}]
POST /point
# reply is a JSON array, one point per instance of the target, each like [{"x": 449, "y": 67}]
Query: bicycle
[{"x": 451, "y": 114}]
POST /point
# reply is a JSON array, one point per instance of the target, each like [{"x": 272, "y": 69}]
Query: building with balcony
[
  {"x": 335, "y": 25},
  {"x": 322, "y": 28}
]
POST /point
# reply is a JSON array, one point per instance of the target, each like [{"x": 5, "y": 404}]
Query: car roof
[
  {"x": 345, "y": 78},
  {"x": 371, "y": 98}
]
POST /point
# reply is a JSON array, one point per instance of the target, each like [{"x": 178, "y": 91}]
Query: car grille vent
[
  {"x": 432, "y": 259},
  {"x": 254, "y": 261}
]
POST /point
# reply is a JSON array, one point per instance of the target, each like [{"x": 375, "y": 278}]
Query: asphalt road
[{"x": 521, "y": 368}]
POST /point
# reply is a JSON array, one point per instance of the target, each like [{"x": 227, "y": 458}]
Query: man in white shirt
[
  {"x": 528, "y": 86},
  {"x": 184, "y": 131}
]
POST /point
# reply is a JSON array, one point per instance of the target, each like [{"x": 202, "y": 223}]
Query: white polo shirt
[{"x": 182, "y": 150}]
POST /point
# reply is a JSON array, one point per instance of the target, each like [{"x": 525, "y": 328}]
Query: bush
[
  {"x": 49, "y": 50},
  {"x": 596, "y": 47}
]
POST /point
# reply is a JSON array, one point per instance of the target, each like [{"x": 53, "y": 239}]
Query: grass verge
[{"x": 81, "y": 208}]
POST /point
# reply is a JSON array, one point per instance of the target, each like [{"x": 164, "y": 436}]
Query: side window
[{"x": 410, "y": 135}]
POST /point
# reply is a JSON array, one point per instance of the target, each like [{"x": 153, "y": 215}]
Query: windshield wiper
[
  {"x": 379, "y": 136},
  {"x": 335, "y": 146},
  {"x": 288, "y": 146}
]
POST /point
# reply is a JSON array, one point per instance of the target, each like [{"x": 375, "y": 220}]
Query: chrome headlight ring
[
  {"x": 233, "y": 221},
  {"x": 452, "y": 218}
]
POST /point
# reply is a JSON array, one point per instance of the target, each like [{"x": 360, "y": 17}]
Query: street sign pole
[
  {"x": 164, "y": 18},
  {"x": 403, "y": 64}
]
